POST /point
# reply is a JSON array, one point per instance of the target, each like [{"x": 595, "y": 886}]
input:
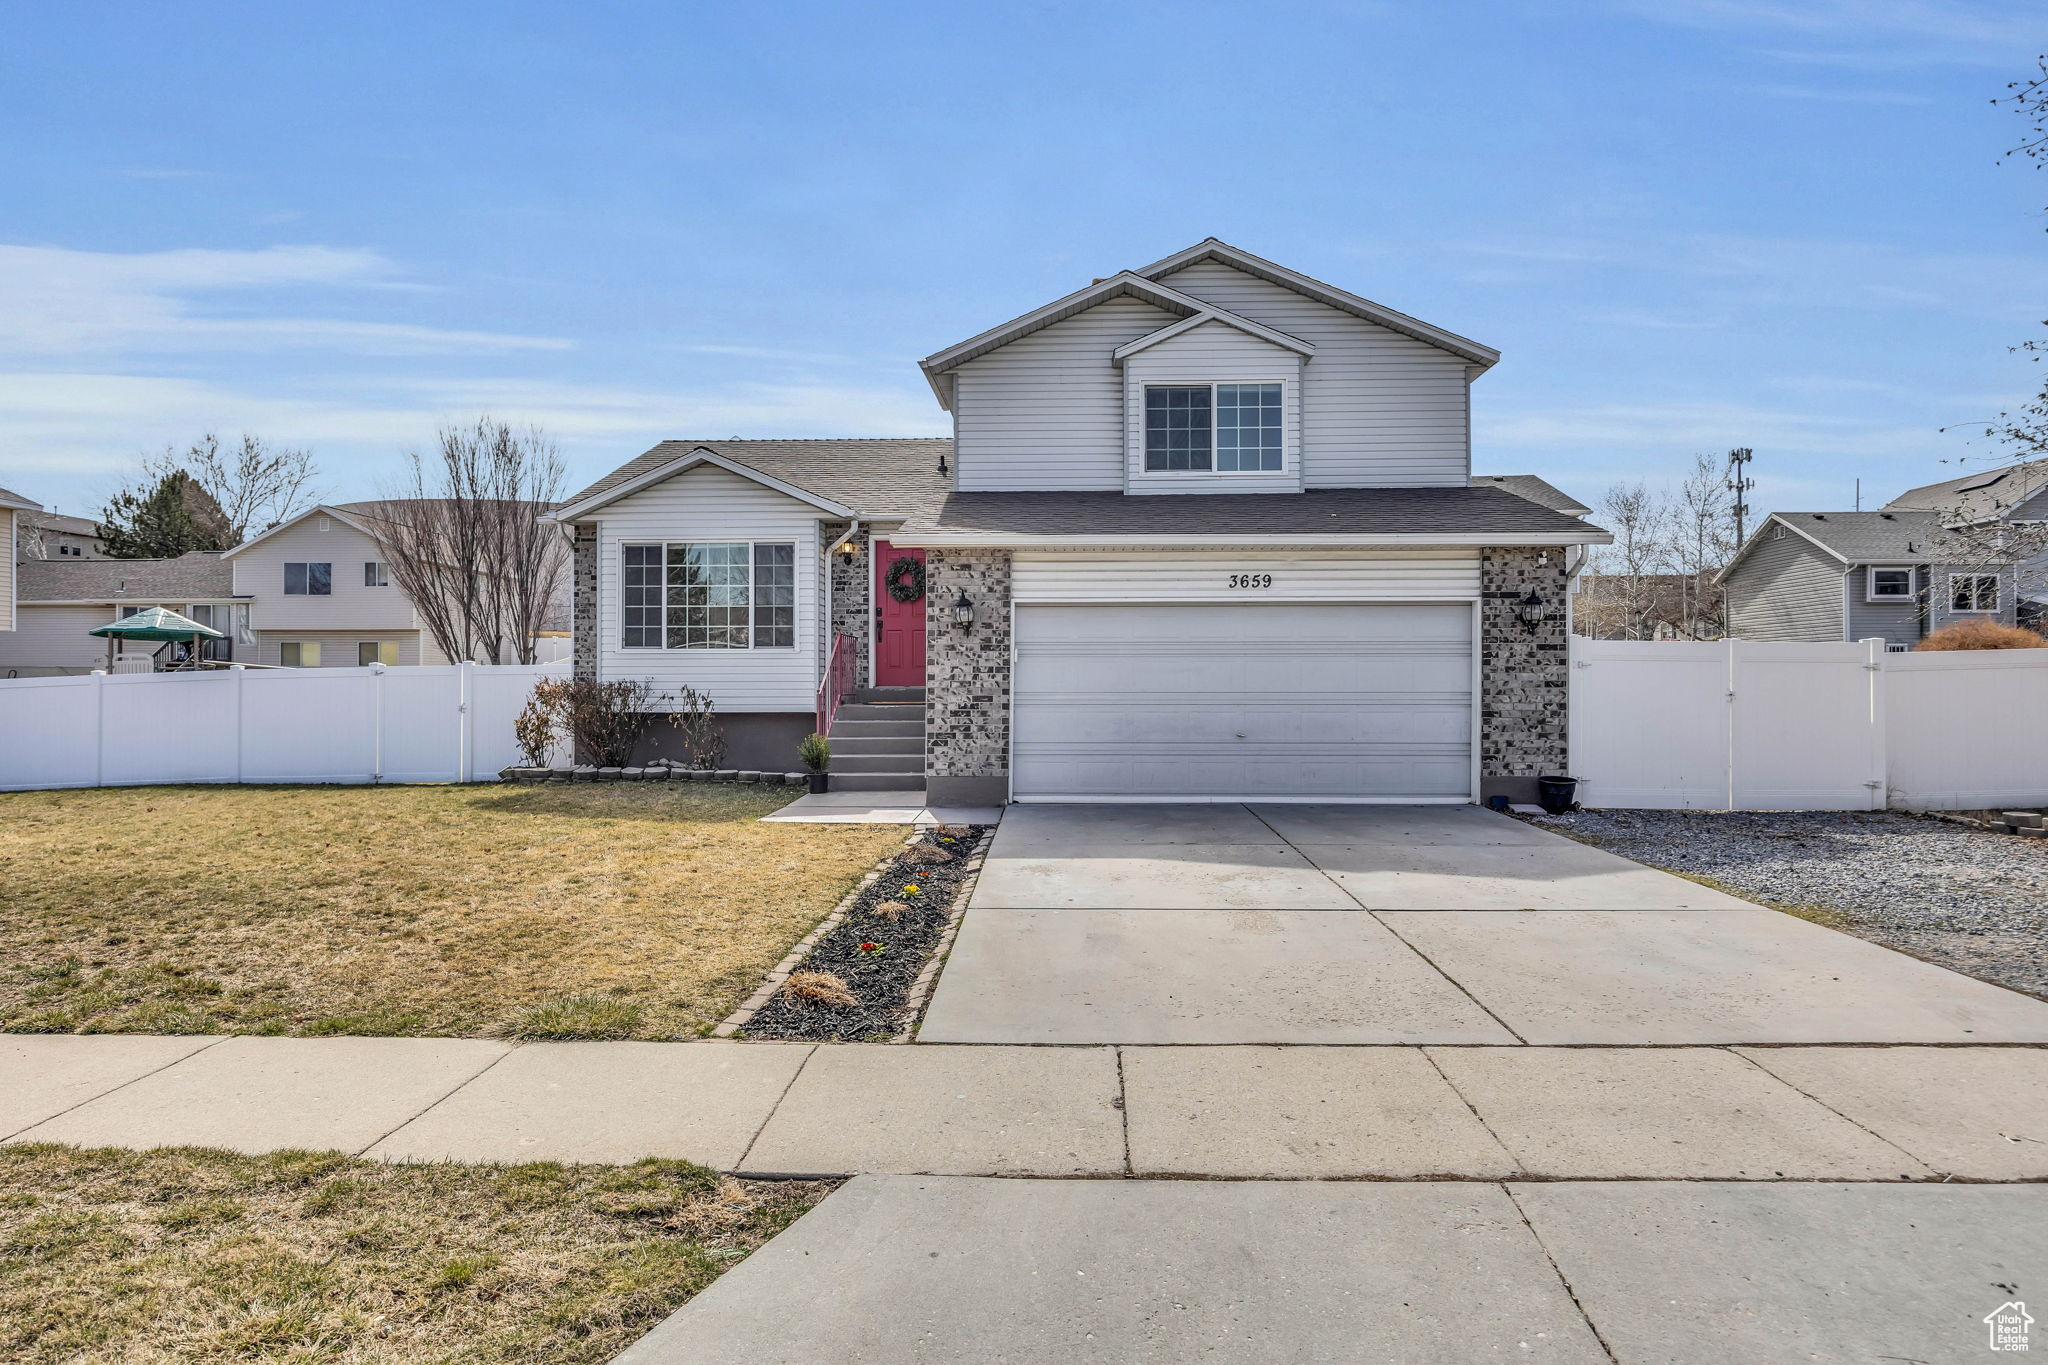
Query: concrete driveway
[{"x": 1228, "y": 923}]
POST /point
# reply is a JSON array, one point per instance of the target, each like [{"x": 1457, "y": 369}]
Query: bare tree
[
  {"x": 1702, "y": 538},
  {"x": 464, "y": 538},
  {"x": 256, "y": 487},
  {"x": 1641, "y": 523}
]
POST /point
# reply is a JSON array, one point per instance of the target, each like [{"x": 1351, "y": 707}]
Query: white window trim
[
  {"x": 1870, "y": 573},
  {"x": 1997, "y": 592},
  {"x": 619, "y": 623},
  {"x": 1289, "y": 437}
]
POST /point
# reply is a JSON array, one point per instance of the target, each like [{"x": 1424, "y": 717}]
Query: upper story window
[
  {"x": 1221, "y": 428},
  {"x": 1889, "y": 585},
  {"x": 308, "y": 580},
  {"x": 1973, "y": 592},
  {"x": 708, "y": 595},
  {"x": 376, "y": 574}
]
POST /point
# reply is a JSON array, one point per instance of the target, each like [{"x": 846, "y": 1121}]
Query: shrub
[
  {"x": 1982, "y": 635},
  {"x": 605, "y": 718},
  {"x": 815, "y": 750},
  {"x": 695, "y": 717},
  {"x": 535, "y": 727}
]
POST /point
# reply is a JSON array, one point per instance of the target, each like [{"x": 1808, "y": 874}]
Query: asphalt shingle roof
[
  {"x": 1866, "y": 537},
  {"x": 1536, "y": 490},
  {"x": 9, "y": 498},
  {"x": 875, "y": 476},
  {"x": 1982, "y": 496},
  {"x": 1324, "y": 511},
  {"x": 199, "y": 575}
]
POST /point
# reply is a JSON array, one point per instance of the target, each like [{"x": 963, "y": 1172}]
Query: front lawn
[
  {"x": 187, "y": 1255},
  {"x": 562, "y": 911}
]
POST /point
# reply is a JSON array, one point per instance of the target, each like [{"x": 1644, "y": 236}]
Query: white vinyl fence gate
[
  {"x": 1748, "y": 725},
  {"x": 432, "y": 723}
]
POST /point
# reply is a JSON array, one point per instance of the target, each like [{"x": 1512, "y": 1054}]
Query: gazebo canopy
[{"x": 158, "y": 623}]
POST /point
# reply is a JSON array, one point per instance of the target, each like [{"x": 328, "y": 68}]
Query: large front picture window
[
  {"x": 709, "y": 595},
  {"x": 1225, "y": 428}
]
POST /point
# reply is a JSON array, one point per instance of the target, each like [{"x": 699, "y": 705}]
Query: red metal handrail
[{"x": 837, "y": 684}]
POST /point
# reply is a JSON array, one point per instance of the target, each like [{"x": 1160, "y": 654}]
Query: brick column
[
  {"x": 1524, "y": 671},
  {"x": 967, "y": 679},
  {"x": 850, "y": 607},
  {"x": 583, "y": 629}
]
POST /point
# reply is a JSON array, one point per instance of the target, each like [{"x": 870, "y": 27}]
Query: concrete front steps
[{"x": 878, "y": 742}]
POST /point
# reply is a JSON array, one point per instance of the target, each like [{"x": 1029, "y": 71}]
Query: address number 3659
[{"x": 1251, "y": 580}]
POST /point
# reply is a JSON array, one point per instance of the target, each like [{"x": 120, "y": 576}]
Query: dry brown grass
[
  {"x": 822, "y": 988},
  {"x": 194, "y": 1256},
  {"x": 572, "y": 911},
  {"x": 1982, "y": 635}
]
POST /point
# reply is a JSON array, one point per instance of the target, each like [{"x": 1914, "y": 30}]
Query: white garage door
[{"x": 1325, "y": 700}]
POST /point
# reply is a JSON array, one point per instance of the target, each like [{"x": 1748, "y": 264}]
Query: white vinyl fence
[
  {"x": 1745, "y": 725},
  {"x": 450, "y": 723}
]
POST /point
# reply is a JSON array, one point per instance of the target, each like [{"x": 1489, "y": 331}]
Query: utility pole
[{"x": 1739, "y": 483}]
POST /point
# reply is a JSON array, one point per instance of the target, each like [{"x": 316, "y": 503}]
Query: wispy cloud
[
  {"x": 1822, "y": 95},
  {"x": 58, "y": 301},
  {"x": 1656, "y": 429},
  {"x": 1873, "y": 35}
]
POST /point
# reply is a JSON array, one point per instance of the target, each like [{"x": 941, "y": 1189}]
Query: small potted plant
[{"x": 816, "y": 752}]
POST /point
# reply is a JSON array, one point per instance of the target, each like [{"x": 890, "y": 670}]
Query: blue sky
[{"x": 1687, "y": 224}]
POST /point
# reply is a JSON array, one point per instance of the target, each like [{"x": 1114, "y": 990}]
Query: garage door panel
[{"x": 1366, "y": 700}]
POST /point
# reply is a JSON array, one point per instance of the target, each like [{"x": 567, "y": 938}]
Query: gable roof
[
  {"x": 347, "y": 518},
  {"x": 195, "y": 576},
  {"x": 1538, "y": 491},
  {"x": 1985, "y": 495},
  {"x": 65, "y": 523},
  {"x": 1333, "y": 516},
  {"x": 1144, "y": 284},
  {"x": 1878, "y": 537},
  {"x": 1213, "y": 249},
  {"x": 12, "y": 499},
  {"x": 864, "y": 477}
]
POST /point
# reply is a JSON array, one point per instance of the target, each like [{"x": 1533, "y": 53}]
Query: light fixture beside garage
[
  {"x": 963, "y": 612},
  {"x": 1530, "y": 609}
]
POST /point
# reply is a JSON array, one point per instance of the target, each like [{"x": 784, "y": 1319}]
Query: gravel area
[
  {"x": 1968, "y": 899},
  {"x": 876, "y": 952}
]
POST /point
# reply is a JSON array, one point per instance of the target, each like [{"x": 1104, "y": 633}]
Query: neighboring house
[
  {"x": 1206, "y": 529},
  {"x": 326, "y": 595},
  {"x": 13, "y": 507},
  {"x": 53, "y": 535},
  {"x": 1991, "y": 509},
  {"x": 1656, "y": 606},
  {"x": 313, "y": 592},
  {"x": 1857, "y": 576},
  {"x": 63, "y": 600}
]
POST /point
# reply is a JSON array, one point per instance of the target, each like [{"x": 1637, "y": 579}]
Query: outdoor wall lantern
[
  {"x": 963, "y": 613},
  {"x": 1530, "y": 609}
]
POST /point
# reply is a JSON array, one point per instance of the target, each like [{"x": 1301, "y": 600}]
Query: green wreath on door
[{"x": 905, "y": 579}]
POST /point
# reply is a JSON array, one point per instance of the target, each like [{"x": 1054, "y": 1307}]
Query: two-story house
[
  {"x": 1967, "y": 548},
  {"x": 1204, "y": 530},
  {"x": 312, "y": 592}
]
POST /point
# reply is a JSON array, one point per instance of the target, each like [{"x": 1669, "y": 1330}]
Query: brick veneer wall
[
  {"x": 583, "y": 602},
  {"x": 967, "y": 679},
  {"x": 1523, "y": 670},
  {"x": 850, "y": 594}
]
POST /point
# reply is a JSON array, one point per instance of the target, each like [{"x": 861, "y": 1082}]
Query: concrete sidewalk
[
  {"x": 1856, "y": 1114},
  {"x": 1166, "y": 1272}
]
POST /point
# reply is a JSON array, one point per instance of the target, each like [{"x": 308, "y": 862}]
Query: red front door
[{"x": 899, "y": 626}]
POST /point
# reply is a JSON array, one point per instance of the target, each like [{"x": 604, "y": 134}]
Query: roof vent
[
  {"x": 1820, "y": 516},
  {"x": 1887, "y": 516}
]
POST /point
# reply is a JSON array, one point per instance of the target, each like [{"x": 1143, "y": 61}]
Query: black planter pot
[
  {"x": 818, "y": 781},
  {"x": 1557, "y": 794}
]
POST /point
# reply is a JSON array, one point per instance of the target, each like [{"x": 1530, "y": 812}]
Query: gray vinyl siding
[
  {"x": 1785, "y": 589},
  {"x": 1377, "y": 408},
  {"x": 1046, "y": 411},
  {"x": 1896, "y": 623}
]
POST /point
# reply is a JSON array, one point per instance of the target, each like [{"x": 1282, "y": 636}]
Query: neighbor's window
[
  {"x": 708, "y": 595},
  {"x": 1227, "y": 428},
  {"x": 299, "y": 654},
  {"x": 1973, "y": 592},
  {"x": 1890, "y": 584},
  {"x": 308, "y": 580},
  {"x": 376, "y": 652},
  {"x": 376, "y": 574}
]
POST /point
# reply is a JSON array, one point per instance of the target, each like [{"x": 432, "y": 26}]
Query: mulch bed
[{"x": 907, "y": 929}]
